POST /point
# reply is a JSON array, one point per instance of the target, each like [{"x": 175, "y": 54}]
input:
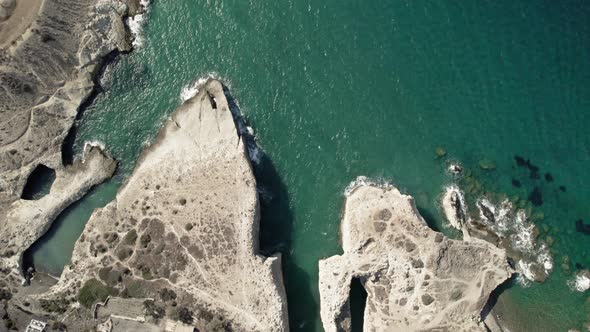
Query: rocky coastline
[
  {"x": 502, "y": 225},
  {"x": 179, "y": 244},
  {"x": 185, "y": 223},
  {"x": 50, "y": 54},
  {"x": 416, "y": 279}
]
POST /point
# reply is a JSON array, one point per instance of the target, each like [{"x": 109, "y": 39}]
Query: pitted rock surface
[
  {"x": 188, "y": 220},
  {"x": 416, "y": 279}
]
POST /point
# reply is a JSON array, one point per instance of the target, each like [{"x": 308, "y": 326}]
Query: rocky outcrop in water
[
  {"x": 454, "y": 205},
  {"x": 186, "y": 223},
  {"x": 416, "y": 279},
  {"x": 504, "y": 226}
]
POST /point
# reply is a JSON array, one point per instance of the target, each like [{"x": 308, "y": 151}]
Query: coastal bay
[{"x": 336, "y": 90}]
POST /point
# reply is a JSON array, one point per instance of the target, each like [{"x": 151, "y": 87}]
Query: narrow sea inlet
[{"x": 338, "y": 89}]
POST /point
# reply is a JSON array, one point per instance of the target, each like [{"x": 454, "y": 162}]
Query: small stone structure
[{"x": 36, "y": 326}]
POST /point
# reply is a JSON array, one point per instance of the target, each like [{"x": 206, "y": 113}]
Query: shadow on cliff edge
[{"x": 276, "y": 228}]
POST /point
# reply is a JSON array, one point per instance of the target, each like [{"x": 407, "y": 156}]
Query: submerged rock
[
  {"x": 581, "y": 227},
  {"x": 526, "y": 163},
  {"x": 187, "y": 220},
  {"x": 487, "y": 165},
  {"x": 536, "y": 197},
  {"x": 548, "y": 177},
  {"x": 440, "y": 152},
  {"x": 415, "y": 278}
]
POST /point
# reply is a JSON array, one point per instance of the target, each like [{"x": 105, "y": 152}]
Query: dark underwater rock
[
  {"x": 548, "y": 177},
  {"x": 536, "y": 197},
  {"x": 526, "y": 163},
  {"x": 582, "y": 227},
  {"x": 520, "y": 161},
  {"x": 516, "y": 183}
]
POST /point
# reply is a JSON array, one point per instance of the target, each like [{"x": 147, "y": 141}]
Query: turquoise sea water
[{"x": 336, "y": 89}]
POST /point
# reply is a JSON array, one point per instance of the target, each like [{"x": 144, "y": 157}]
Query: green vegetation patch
[
  {"x": 94, "y": 291},
  {"x": 59, "y": 306}
]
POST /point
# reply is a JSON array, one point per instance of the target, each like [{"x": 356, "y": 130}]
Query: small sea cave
[
  {"x": 358, "y": 300},
  {"x": 39, "y": 183},
  {"x": 27, "y": 264}
]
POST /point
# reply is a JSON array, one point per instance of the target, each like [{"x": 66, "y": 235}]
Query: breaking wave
[
  {"x": 98, "y": 144},
  {"x": 364, "y": 181},
  {"x": 581, "y": 282},
  {"x": 516, "y": 226},
  {"x": 88, "y": 145},
  {"x": 517, "y": 234},
  {"x": 135, "y": 24},
  {"x": 190, "y": 90}
]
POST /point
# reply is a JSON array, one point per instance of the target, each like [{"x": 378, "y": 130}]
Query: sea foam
[
  {"x": 91, "y": 144},
  {"x": 508, "y": 222},
  {"x": 97, "y": 144},
  {"x": 581, "y": 282},
  {"x": 364, "y": 181},
  {"x": 190, "y": 90},
  {"x": 135, "y": 24}
]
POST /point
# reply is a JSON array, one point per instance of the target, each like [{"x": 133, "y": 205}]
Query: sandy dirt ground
[{"x": 21, "y": 19}]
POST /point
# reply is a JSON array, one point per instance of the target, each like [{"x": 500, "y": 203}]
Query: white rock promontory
[
  {"x": 187, "y": 220},
  {"x": 416, "y": 279}
]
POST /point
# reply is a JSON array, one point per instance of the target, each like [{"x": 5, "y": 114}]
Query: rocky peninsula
[
  {"x": 416, "y": 279},
  {"x": 182, "y": 234},
  {"x": 50, "y": 53}
]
